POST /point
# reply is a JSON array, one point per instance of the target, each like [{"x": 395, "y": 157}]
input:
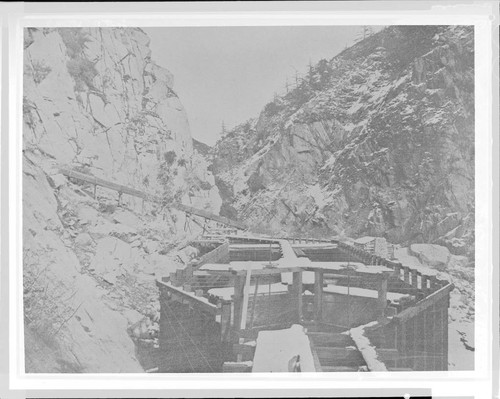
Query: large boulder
[{"x": 431, "y": 254}]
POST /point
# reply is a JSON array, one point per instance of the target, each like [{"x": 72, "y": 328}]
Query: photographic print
[{"x": 248, "y": 199}]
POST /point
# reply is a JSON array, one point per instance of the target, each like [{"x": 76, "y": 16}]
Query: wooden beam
[
  {"x": 335, "y": 353},
  {"x": 414, "y": 279},
  {"x": 239, "y": 285},
  {"x": 317, "y": 363},
  {"x": 246, "y": 296},
  {"x": 297, "y": 292},
  {"x": 423, "y": 304},
  {"x": 189, "y": 297},
  {"x": 254, "y": 302},
  {"x": 318, "y": 295},
  {"x": 382, "y": 295},
  {"x": 406, "y": 274},
  {"x": 329, "y": 339},
  {"x": 385, "y": 354}
]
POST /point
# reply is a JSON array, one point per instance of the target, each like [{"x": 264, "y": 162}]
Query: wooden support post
[
  {"x": 254, "y": 302},
  {"x": 445, "y": 331},
  {"x": 434, "y": 283},
  {"x": 239, "y": 285},
  {"x": 397, "y": 270},
  {"x": 402, "y": 349},
  {"x": 414, "y": 280},
  {"x": 297, "y": 292},
  {"x": 406, "y": 271},
  {"x": 438, "y": 334},
  {"x": 244, "y": 308},
  {"x": 425, "y": 284},
  {"x": 318, "y": 295},
  {"x": 382, "y": 294},
  {"x": 225, "y": 321}
]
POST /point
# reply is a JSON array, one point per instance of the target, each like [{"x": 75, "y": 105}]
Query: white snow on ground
[
  {"x": 278, "y": 348},
  {"x": 368, "y": 351},
  {"x": 461, "y": 311}
]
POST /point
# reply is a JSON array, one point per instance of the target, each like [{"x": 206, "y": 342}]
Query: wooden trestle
[{"x": 121, "y": 189}]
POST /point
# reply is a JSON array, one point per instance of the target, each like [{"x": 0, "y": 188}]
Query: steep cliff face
[
  {"x": 377, "y": 141},
  {"x": 94, "y": 101}
]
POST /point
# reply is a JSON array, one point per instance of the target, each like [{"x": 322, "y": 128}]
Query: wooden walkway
[{"x": 121, "y": 189}]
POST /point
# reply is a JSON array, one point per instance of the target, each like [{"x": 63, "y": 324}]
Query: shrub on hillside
[
  {"x": 74, "y": 39},
  {"x": 83, "y": 72},
  {"x": 40, "y": 71}
]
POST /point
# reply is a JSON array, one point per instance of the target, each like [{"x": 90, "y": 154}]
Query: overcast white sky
[{"x": 230, "y": 73}]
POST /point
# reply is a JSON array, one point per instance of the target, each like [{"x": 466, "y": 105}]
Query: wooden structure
[
  {"x": 328, "y": 287},
  {"x": 121, "y": 189}
]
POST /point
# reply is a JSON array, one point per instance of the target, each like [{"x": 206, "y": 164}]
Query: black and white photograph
[{"x": 248, "y": 199}]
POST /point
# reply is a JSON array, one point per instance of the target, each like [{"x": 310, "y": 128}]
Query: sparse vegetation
[
  {"x": 83, "y": 71},
  {"x": 40, "y": 71},
  {"x": 79, "y": 67},
  {"x": 75, "y": 40},
  {"x": 170, "y": 157},
  {"x": 47, "y": 308}
]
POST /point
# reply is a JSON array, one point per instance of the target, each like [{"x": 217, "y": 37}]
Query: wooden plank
[
  {"x": 385, "y": 354},
  {"x": 382, "y": 295},
  {"x": 406, "y": 274},
  {"x": 330, "y": 339},
  {"x": 317, "y": 363},
  {"x": 244, "y": 308},
  {"x": 318, "y": 295},
  {"x": 199, "y": 302},
  {"x": 239, "y": 285},
  {"x": 423, "y": 304},
  {"x": 297, "y": 292},
  {"x": 254, "y": 302},
  {"x": 414, "y": 279},
  {"x": 336, "y": 354}
]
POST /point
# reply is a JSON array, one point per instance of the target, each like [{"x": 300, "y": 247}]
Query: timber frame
[{"x": 409, "y": 333}]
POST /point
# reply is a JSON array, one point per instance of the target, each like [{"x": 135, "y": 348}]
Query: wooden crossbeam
[{"x": 335, "y": 354}]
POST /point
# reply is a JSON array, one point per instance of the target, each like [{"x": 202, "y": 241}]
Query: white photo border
[{"x": 484, "y": 17}]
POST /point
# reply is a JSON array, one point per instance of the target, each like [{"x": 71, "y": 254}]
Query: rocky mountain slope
[
  {"x": 94, "y": 101},
  {"x": 377, "y": 141}
]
